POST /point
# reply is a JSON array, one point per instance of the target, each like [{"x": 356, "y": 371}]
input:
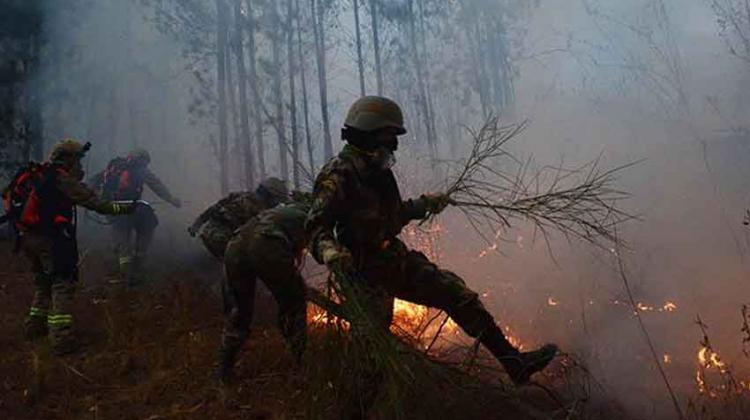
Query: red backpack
[
  {"x": 123, "y": 180},
  {"x": 32, "y": 201}
]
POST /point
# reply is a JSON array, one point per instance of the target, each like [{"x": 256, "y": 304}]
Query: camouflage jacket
[
  {"x": 234, "y": 210},
  {"x": 287, "y": 222},
  {"x": 357, "y": 206}
]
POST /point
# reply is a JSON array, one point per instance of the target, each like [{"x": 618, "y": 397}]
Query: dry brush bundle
[{"x": 494, "y": 187}]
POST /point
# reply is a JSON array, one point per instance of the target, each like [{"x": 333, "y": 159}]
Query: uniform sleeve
[
  {"x": 158, "y": 187},
  {"x": 203, "y": 217},
  {"x": 82, "y": 195},
  {"x": 413, "y": 209},
  {"x": 329, "y": 198}
]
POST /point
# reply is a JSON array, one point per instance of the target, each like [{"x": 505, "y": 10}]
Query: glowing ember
[
  {"x": 710, "y": 359},
  {"x": 423, "y": 239},
  {"x": 512, "y": 339},
  {"x": 492, "y": 247},
  {"x": 669, "y": 306},
  {"x": 487, "y": 251},
  {"x": 643, "y": 307}
]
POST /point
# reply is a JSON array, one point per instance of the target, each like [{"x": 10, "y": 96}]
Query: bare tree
[
  {"x": 374, "y": 4},
  {"x": 317, "y": 11},
  {"x": 292, "y": 95},
  {"x": 360, "y": 60},
  {"x": 303, "y": 82},
  {"x": 275, "y": 72},
  {"x": 733, "y": 18},
  {"x": 257, "y": 99},
  {"x": 244, "y": 137},
  {"x": 221, "y": 50}
]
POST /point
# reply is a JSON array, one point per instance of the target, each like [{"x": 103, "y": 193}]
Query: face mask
[{"x": 384, "y": 158}]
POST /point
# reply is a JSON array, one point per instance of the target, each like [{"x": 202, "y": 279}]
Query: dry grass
[{"x": 149, "y": 354}]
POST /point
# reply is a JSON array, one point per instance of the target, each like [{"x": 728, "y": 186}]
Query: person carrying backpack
[
  {"x": 40, "y": 203},
  {"x": 123, "y": 180}
]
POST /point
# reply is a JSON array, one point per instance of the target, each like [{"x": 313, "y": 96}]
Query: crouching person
[{"x": 269, "y": 248}]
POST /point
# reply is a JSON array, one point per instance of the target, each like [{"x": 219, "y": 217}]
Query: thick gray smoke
[{"x": 640, "y": 80}]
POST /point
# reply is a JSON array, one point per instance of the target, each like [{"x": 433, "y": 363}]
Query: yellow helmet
[
  {"x": 370, "y": 113},
  {"x": 68, "y": 148}
]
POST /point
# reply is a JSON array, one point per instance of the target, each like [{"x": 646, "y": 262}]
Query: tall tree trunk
[
  {"x": 244, "y": 137},
  {"x": 360, "y": 60},
  {"x": 431, "y": 131},
  {"x": 257, "y": 99},
  {"x": 318, "y": 14},
  {"x": 292, "y": 93},
  {"x": 376, "y": 45},
  {"x": 35, "y": 129},
  {"x": 420, "y": 75},
  {"x": 303, "y": 80},
  {"x": 234, "y": 133},
  {"x": 277, "y": 94},
  {"x": 221, "y": 49},
  {"x": 475, "y": 38}
]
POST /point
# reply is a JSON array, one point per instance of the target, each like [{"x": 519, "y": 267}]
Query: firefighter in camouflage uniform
[
  {"x": 217, "y": 224},
  {"x": 356, "y": 216},
  {"x": 46, "y": 197},
  {"x": 123, "y": 180},
  {"x": 268, "y": 247}
]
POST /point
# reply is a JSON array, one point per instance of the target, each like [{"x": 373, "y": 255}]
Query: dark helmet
[
  {"x": 370, "y": 113},
  {"x": 140, "y": 155},
  {"x": 274, "y": 190}
]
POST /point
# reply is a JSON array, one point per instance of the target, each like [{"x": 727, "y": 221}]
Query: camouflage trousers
[
  {"x": 215, "y": 236},
  {"x": 132, "y": 235},
  {"x": 54, "y": 288},
  {"x": 409, "y": 275},
  {"x": 250, "y": 256}
]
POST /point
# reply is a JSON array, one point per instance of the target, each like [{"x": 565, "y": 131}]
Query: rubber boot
[
  {"x": 519, "y": 365},
  {"x": 135, "y": 275},
  {"x": 530, "y": 362},
  {"x": 225, "y": 371},
  {"x": 64, "y": 342},
  {"x": 35, "y": 327}
]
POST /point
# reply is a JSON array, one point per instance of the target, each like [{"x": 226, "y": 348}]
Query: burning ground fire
[
  {"x": 429, "y": 327},
  {"x": 432, "y": 329},
  {"x": 710, "y": 364}
]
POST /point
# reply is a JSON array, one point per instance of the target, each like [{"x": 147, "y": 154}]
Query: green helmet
[
  {"x": 370, "y": 113},
  {"x": 141, "y": 155},
  {"x": 275, "y": 189},
  {"x": 68, "y": 148}
]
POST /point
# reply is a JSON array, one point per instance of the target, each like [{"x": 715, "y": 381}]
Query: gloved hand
[
  {"x": 124, "y": 208},
  {"x": 192, "y": 230},
  {"x": 338, "y": 259},
  {"x": 177, "y": 203},
  {"x": 436, "y": 203}
]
